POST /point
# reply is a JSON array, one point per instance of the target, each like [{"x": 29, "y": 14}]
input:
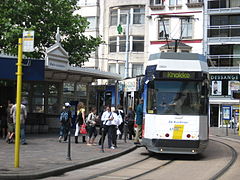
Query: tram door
[
  {"x": 108, "y": 98},
  {"x": 214, "y": 115}
]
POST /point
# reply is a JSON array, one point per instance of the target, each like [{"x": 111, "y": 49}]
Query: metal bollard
[
  {"x": 102, "y": 145},
  {"x": 69, "y": 146}
]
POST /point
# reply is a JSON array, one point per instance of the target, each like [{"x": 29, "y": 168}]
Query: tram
[{"x": 175, "y": 105}]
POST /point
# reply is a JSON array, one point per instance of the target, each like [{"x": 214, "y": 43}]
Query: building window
[
  {"x": 156, "y": 2},
  {"x": 68, "y": 88},
  {"x": 224, "y": 55},
  {"x": 119, "y": 16},
  {"x": 175, "y": 2},
  {"x": 92, "y": 22},
  {"x": 122, "y": 43},
  {"x": 234, "y": 3},
  {"x": 81, "y": 90},
  {"x": 195, "y": 1},
  {"x": 138, "y": 44},
  {"x": 53, "y": 104},
  {"x": 138, "y": 15},
  {"x": 224, "y": 26},
  {"x": 123, "y": 16},
  {"x": 112, "y": 68},
  {"x": 161, "y": 25},
  {"x": 122, "y": 69},
  {"x": 137, "y": 69},
  {"x": 113, "y": 17},
  {"x": 113, "y": 44},
  {"x": 186, "y": 29}
]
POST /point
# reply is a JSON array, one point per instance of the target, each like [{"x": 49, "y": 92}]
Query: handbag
[
  {"x": 83, "y": 129},
  {"x": 118, "y": 132}
]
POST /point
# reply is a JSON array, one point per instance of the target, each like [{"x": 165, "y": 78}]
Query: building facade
[
  {"x": 222, "y": 48},
  {"x": 175, "y": 26}
]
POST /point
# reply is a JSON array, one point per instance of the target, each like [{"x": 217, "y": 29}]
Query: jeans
[
  {"x": 22, "y": 131},
  {"x": 64, "y": 131}
]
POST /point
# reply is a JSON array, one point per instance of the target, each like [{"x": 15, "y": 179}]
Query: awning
[
  {"x": 224, "y": 101},
  {"x": 78, "y": 74},
  {"x": 57, "y": 67},
  {"x": 33, "y": 69}
]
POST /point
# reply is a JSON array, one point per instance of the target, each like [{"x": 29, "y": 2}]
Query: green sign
[
  {"x": 178, "y": 75},
  {"x": 119, "y": 29}
]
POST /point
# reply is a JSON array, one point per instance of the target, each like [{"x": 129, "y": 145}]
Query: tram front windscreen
[{"x": 177, "y": 97}]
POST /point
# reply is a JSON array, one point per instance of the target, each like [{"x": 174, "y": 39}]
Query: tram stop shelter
[{"x": 48, "y": 85}]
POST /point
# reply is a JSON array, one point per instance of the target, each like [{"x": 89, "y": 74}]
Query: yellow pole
[
  {"x": 239, "y": 119},
  {"x": 18, "y": 103}
]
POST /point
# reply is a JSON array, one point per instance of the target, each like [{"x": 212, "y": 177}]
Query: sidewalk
[
  {"x": 44, "y": 156},
  {"x": 221, "y": 132}
]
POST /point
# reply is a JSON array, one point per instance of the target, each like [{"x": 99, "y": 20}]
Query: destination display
[{"x": 179, "y": 75}]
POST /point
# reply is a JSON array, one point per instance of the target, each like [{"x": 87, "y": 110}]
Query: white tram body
[{"x": 176, "y": 103}]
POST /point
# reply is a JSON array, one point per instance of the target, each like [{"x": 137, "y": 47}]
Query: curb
[{"x": 62, "y": 170}]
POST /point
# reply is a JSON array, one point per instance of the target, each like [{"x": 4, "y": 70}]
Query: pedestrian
[
  {"x": 3, "y": 120},
  {"x": 80, "y": 120},
  {"x": 130, "y": 122},
  {"x": 23, "y": 117},
  {"x": 116, "y": 122},
  {"x": 121, "y": 126},
  {"x": 106, "y": 118},
  {"x": 91, "y": 124},
  {"x": 65, "y": 120},
  {"x": 139, "y": 120},
  {"x": 10, "y": 134}
]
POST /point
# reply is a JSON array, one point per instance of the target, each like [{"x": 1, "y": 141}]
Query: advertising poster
[
  {"x": 216, "y": 87},
  {"x": 233, "y": 86},
  {"x": 227, "y": 112}
]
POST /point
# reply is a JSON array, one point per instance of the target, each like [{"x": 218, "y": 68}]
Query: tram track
[
  {"x": 229, "y": 164},
  {"x": 219, "y": 173},
  {"x": 130, "y": 165}
]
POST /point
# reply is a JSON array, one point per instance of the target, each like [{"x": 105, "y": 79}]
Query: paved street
[{"x": 44, "y": 155}]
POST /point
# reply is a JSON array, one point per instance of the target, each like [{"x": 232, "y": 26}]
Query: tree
[{"x": 44, "y": 16}]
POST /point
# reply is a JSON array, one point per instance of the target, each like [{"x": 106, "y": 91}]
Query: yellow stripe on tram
[{"x": 178, "y": 131}]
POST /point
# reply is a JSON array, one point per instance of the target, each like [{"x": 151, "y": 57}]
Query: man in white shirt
[
  {"x": 23, "y": 117},
  {"x": 107, "y": 118}
]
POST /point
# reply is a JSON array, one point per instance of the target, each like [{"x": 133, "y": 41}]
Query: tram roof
[{"x": 180, "y": 56}]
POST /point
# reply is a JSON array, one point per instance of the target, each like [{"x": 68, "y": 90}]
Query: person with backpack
[
  {"x": 91, "y": 123},
  {"x": 65, "y": 120},
  {"x": 80, "y": 120}
]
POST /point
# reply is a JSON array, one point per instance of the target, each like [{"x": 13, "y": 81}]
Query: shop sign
[
  {"x": 130, "y": 85},
  {"x": 224, "y": 77}
]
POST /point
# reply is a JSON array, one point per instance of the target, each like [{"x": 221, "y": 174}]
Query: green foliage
[{"x": 44, "y": 16}]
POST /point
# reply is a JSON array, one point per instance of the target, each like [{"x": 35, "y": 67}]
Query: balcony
[
  {"x": 194, "y": 3},
  {"x": 223, "y": 7},
  {"x": 228, "y": 62},
  {"x": 157, "y": 4},
  {"x": 224, "y": 33}
]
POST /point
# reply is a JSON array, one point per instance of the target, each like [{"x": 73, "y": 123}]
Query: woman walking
[
  {"x": 130, "y": 122},
  {"x": 91, "y": 122},
  {"x": 80, "y": 120}
]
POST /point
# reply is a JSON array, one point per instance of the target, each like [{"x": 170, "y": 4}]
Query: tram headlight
[
  {"x": 166, "y": 135},
  {"x": 188, "y": 135}
]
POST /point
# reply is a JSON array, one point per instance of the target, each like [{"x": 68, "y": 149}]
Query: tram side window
[{"x": 151, "y": 102}]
